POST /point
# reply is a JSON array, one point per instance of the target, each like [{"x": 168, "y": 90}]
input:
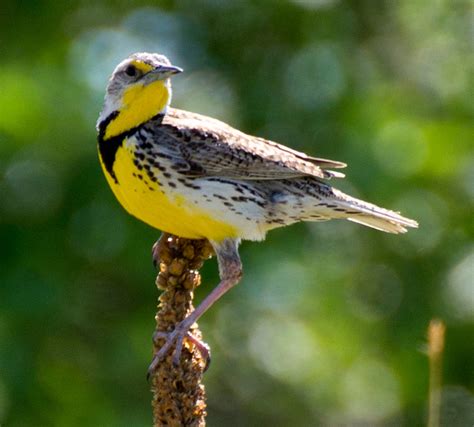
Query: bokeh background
[{"x": 328, "y": 327}]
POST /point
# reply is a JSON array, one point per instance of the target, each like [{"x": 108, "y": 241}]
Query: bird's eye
[{"x": 131, "y": 71}]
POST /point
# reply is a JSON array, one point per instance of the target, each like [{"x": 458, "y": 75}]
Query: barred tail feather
[
  {"x": 373, "y": 216},
  {"x": 395, "y": 224}
]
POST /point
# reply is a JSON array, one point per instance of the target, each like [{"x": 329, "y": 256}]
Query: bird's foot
[
  {"x": 155, "y": 256},
  {"x": 159, "y": 248},
  {"x": 177, "y": 337}
]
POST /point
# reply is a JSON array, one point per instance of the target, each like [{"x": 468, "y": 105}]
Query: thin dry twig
[
  {"x": 178, "y": 395},
  {"x": 436, "y": 334}
]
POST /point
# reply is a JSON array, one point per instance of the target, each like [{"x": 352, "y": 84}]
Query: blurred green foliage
[{"x": 328, "y": 326}]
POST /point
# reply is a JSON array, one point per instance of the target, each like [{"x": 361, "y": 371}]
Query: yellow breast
[{"x": 162, "y": 209}]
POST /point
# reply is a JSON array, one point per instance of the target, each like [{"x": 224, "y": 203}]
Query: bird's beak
[{"x": 162, "y": 72}]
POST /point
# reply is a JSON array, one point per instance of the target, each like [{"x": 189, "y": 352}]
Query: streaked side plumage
[{"x": 196, "y": 177}]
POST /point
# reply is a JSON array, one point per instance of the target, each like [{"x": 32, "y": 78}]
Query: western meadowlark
[{"x": 196, "y": 177}]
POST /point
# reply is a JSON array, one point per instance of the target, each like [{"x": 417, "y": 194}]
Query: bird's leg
[{"x": 230, "y": 272}]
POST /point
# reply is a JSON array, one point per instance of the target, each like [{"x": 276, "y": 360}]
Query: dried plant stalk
[
  {"x": 178, "y": 395},
  {"x": 436, "y": 335}
]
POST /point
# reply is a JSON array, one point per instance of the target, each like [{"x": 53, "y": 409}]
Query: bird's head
[{"x": 138, "y": 90}]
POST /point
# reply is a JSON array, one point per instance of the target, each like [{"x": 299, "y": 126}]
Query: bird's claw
[
  {"x": 177, "y": 337},
  {"x": 155, "y": 254}
]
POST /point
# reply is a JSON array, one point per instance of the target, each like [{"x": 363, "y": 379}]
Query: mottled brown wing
[{"x": 212, "y": 148}]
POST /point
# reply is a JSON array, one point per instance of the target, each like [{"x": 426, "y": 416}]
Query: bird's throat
[{"x": 140, "y": 104}]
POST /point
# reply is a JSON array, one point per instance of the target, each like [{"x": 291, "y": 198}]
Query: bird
[{"x": 198, "y": 178}]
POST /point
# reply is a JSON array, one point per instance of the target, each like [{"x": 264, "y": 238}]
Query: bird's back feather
[{"x": 214, "y": 148}]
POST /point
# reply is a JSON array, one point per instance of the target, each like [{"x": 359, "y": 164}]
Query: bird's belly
[{"x": 162, "y": 209}]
